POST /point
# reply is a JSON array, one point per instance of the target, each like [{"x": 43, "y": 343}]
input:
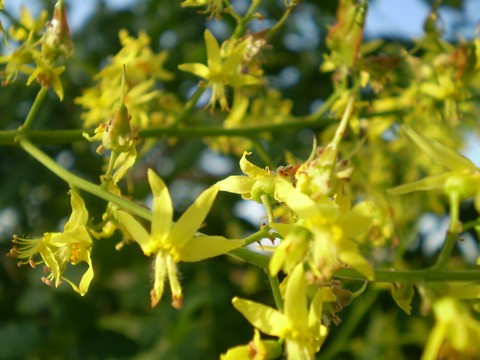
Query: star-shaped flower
[
  {"x": 323, "y": 235},
  {"x": 222, "y": 71},
  {"x": 171, "y": 242},
  {"x": 300, "y": 323}
]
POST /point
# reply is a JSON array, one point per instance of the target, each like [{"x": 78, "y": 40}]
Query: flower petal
[
  {"x": 429, "y": 183},
  {"x": 198, "y": 69},
  {"x": 192, "y": 219},
  {"x": 440, "y": 153},
  {"x": 296, "y": 309},
  {"x": 204, "y": 247},
  {"x": 301, "y": 204},
  {"x": 250, "y": 169},
  {"x": 237, "y": 80},
  {"x": 236, "y": 184},
  {"x": 266, "y": 319},
  {"x": 137, "y": 231},
  {"x": 213, "y": 51},
  {"x": 79, "y": 214},
  {"x": 162, "y": 212},
  {"x": 357, "y": 220}
]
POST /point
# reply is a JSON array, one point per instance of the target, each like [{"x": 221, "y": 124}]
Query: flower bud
[
  {"x": 118, "y": 134},
  {"x": 57, "y": 39}
]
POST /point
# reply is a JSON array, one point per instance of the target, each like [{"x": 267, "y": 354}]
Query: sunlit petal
[
  {"x": 440, "y": 153},
  {"x": 162, "y": 212},
  {"x": 264, "y": 318},
  {"x": 204, "y": 247},
  {"x": 192, "y": 219},
  {"x": 137, "y": 231}
]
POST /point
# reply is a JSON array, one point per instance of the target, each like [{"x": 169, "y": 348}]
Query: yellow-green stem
[{"x": 32, "y": 114}]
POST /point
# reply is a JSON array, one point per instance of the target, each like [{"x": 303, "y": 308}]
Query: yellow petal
[
  {"x": 428, "y": 183},
  {"x": 296, "y": 309},
  {"x": 86, "y": 278},
  {"x": 440, "y": 153},
  {"x": 301, "y": 204},
  {"x": 198, "y": 69},
  {"x": 250, "y": 169},
  {"x": 192, "y": 219},
  {"x": 236, "y": 184},
  {"x": 357, "y": 220},
  {"x": 237, "y": 80},
  {"x": 350, "y": 254},
  {"x": 213, "y": 51},
  {"x": 79, "y": 216},
  {"x": 137, "y": 231},
  {"x": 266, "y": 319},
  {"x": 162, "y": 212},
  {"x": 204, "y": 247}
]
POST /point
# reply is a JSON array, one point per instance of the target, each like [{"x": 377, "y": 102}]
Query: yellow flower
[
  {"x": 300, "y": 324},
  {"x": 455, "y": 332},
  {"x": 172, "y": 242},
  {"x": 143, "y": 66},
  {"x": 73, "y": 246},
  {"x": 222, "y": 70},
  {"x": 47, "y": 75},
  {"x": 461, "y": 182},
  {"x": 258, "y": 182},
  {"x": 324, "y": 233},
  {"x": 214, "y": 7},
  {"x": 257, "y": 349}
]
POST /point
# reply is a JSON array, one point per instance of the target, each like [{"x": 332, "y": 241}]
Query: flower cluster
[
  {"x": 318, "y": 232},
  {"x": 42, "y": 49},
  {"x": 144, "y": 68}
]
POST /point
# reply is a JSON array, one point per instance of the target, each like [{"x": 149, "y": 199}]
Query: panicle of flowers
[
  {"x": 57, "y": 250},
  {"x": 144, "y": 68},
  {"x": 42, "y": 49},
  {"x": 118, "y": 136}
]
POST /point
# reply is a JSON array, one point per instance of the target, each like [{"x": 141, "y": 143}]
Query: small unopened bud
[
  {"x": 118, "y": 133},
  {"x": 57, "y": 36}
]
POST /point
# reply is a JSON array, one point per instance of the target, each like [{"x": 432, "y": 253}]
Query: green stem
[
  {"x": 447, "y": 248},
  {"x": 83, "y": 184},
  {"x": 342, "y": 127},
  {"x": 108, "y": 173},
  {"x": 7, "y": 137},
  {"x": 188, "y": 106},
  {"x": 280, "y": 22},
  {"x": 413, "y": 276},
  {"x": 34, "y": 109},
  {"x": 242, "y": 22},
  {"x": 342, "y": 336},
  {"x": 259, "y": 235},
  {"x": 277, "y": 295},
  {"x": 251, "y": 257},
  {"x": 268, "y": 208}
]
